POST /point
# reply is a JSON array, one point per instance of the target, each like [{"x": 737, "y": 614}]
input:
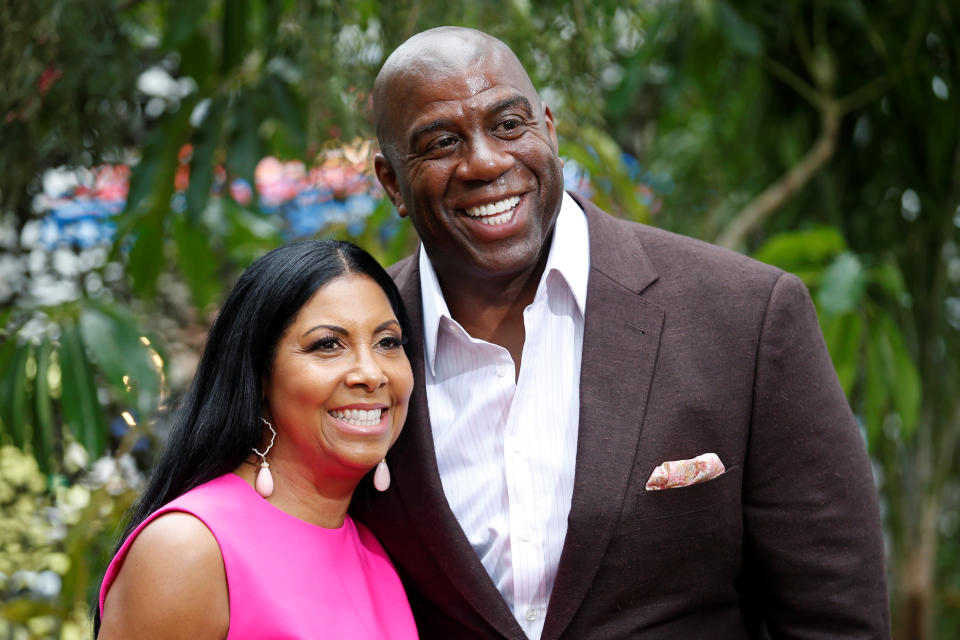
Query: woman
[{"x": 242, "y": 531}]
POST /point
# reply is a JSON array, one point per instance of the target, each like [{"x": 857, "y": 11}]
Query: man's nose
[
  {"x": 484, "y": 160},
  {"x": 366, "y": 371}
]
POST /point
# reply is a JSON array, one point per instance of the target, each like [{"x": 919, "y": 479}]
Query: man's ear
[
  {"x": 551, "y": 127},
  {"x": 388, "y": 179}
]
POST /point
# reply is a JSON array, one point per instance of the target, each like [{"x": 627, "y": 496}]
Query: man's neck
[{"x": 492, "y": 309}]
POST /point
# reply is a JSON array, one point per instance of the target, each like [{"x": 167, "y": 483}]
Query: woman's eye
[
  {"x": 327, "y": 343},
  {"x": 390, "y": 342}
]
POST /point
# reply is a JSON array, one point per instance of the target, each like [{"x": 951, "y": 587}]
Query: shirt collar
[{"x": 569, "y": 257}]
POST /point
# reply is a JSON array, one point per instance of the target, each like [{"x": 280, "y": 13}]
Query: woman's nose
[{"x": 366, "y": 372}]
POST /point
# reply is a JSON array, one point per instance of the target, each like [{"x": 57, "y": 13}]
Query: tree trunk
[{"x": 913, "y": 604}]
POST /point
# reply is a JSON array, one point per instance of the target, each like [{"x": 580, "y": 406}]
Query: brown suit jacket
[{"x": 687, "y": 349}]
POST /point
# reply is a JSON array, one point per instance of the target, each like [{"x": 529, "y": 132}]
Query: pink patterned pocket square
[{"x": 683, "y": 473}]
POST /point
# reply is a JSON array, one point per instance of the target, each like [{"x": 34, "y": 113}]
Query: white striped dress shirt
[{"x": 506, "y": 450}]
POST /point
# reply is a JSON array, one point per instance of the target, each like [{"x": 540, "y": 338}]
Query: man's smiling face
[{"x": 471, "y": 157}]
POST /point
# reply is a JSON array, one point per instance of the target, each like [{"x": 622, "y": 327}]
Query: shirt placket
[{"x": 526, "y": 514}]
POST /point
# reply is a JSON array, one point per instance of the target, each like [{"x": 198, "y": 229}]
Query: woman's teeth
[{"x": 358, "y": 417}]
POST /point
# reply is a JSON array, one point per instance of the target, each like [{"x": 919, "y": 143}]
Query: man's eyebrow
[
  {"x": 446, "y": 123},
  {"x": 510, "y": 102},
  {"x": 436, "y": 125}
]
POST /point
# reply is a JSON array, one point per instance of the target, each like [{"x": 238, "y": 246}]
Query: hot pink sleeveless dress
[{"x": 288, "y": 579}]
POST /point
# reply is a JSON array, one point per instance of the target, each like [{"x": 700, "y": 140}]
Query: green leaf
[
  {"x": 183, "y": 19},
  {"x": 892, "y": 380},
  {"x": 248, "y": 235},
  {"x": 888, "y": 275},
  {"x": 903, "y": 377},
  {"x": 245, "y": 150},
  {"x": 143, "y": 177},
  {"x": 114, "y": 342},
  {"x": 146, "y": 256},
  {"x": 741, "y": 35},
  {"x": 387, "y": 249},
  {"x": 234, "y": 33},
  {"x": 875, "y": 389},
  {"x": 196, "y": 60},
  {"x": 153, "y": 181},
  {"x": 8, "y": 351},
  {"x": 82, "y": 413},
  {"x": 199, "y": 265},
  {"x": 205, "y": 144},
  {"x": 43, "y": 435},
  {"x": 14, "y": 392},
  {"x": 843, "y": 285},
  {"x": 843, "y": 334},
  {"x": 291, "y": 112},
  {"x": 805, "y": 253}
]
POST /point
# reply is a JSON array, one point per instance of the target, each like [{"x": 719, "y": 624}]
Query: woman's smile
[
  {"x": 362, "y": 419},
  {"x": 340, "y": 381}
]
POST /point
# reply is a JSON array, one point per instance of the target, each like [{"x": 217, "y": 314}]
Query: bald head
[
  {"x": 431, "y": 54},
  {"x": 469, "y": 154}
]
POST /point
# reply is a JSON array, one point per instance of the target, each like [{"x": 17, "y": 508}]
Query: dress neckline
[{"x": 256, "y": 498}]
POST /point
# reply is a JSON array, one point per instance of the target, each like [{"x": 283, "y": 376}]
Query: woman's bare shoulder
[{"x": 172, "y": 584}]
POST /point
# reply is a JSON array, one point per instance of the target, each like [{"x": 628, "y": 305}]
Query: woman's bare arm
[{"x": 171, "y": 585}]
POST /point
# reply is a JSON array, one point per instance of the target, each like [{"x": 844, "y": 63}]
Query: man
[{"x": 562, "y": 355}]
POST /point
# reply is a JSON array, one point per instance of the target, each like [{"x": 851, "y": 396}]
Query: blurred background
[{"x": 150, "y": 150}]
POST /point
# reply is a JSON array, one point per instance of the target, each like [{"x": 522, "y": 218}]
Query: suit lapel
[
  {"x": 414, "y": 461},
  {"x": 620, "y": 342}
]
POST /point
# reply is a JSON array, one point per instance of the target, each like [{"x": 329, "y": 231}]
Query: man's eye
[
  {"x": 440, "y": 143},
  {"x": 510, "y": 125}
]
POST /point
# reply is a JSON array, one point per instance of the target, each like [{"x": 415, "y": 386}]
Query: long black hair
[{"x": 218, "y": 422}]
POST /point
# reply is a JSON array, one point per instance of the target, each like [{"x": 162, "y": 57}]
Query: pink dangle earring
[
  {"x": 381, "y": 477},
  {"x": 264, "y": 483}
]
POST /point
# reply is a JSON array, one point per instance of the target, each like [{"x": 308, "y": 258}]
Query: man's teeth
[
  {"x": 359, "y": 417},
  {"x": 496, "y": 212}
]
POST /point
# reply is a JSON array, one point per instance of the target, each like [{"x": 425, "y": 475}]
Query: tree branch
[
  {"x": 795, "y": 82},
  {"x": 773, "y": 197}
]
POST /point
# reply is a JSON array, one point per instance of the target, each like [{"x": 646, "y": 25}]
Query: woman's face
[{"x": 340, "y": 382}]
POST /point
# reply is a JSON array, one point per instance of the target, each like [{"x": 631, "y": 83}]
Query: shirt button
[
  {"x": 526, "y": 534},
  {"x": 531, "y": 615},
  {"x": 502, "y": 371}
]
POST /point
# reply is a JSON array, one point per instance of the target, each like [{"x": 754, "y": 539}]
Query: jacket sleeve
[{"x": 813, "y": 541}]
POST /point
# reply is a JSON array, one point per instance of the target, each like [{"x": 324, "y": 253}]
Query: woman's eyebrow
[
  {"x": 342, "y": 331},
  {"x": 384, "y": 325},
  {"x": 331, "y": 327}
]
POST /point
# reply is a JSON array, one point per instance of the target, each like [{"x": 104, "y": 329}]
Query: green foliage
[
  {"x": 842, "y": 286},
  {"x": 53, "y": 542},
  {"x": 51, "y": 386},
  {"x": 725, "y": 98},
  {"x": 68, "y": 66},
  {"x": 873, "y": 362},
  {"x": 803, "y": 253}
]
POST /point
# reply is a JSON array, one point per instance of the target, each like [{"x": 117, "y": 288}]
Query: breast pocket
[
  {"x": 711, "y": 508},
  {"x": 680, "y": 501},
  {"x": 664, "y": 537}
]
